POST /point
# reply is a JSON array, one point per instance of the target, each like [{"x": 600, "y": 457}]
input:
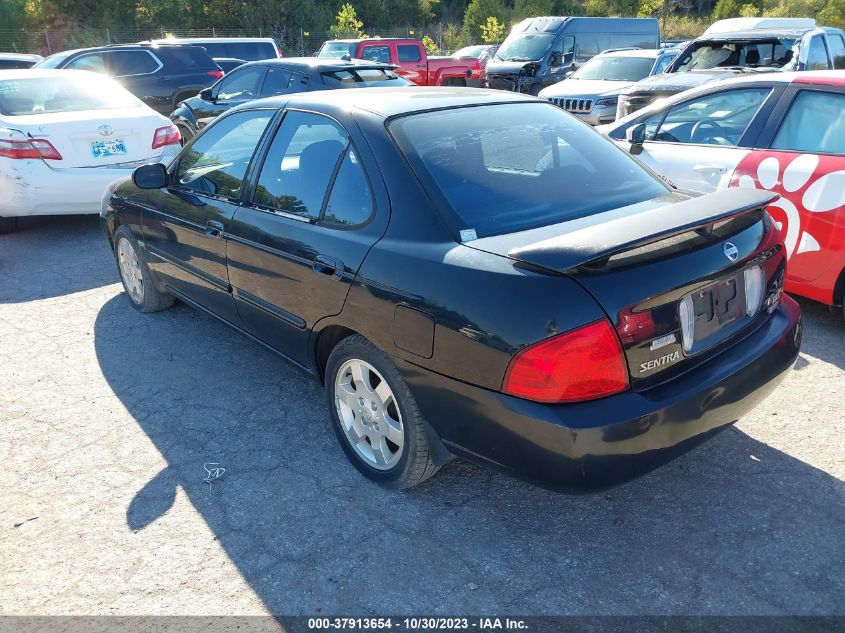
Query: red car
[
  {"x": 411, "y": 58},
  {"x": 779, "y": 132}
]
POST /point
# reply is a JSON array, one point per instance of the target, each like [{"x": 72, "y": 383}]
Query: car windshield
[
  {"x": 774, "y": 53},
  {"x": 524, "y": 47},
  {"x": 42, "y": 95},
  {"x": 511, "y": 167},
  {"x": 336, "y": 50},
  {"x": 615, "y": 68},
  {"x": 363, "y": 78}
]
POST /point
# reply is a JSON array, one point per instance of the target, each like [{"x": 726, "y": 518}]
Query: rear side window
[
  {"x": 276, "y": 82},
  {"x": 817, "y": 56},
  {"x": 714, "y": 119},
  {"x": 126, "y": 63},
  {"x": 300, "y": 163},
  {"x": 408, "y": 53},
  {"x": 815, "y": 123},
  {"x": 363, "y": 78},
  {"x": 837, "y": 50},
  {"x": 507, "y": 168},
  {"x": 376, "y": 54},
  {"x": 350, "y": 202},
  {"x": 217, "y": 161},
  {"x": 187, "y": 57}
]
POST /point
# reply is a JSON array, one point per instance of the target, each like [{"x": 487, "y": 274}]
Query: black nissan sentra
[{"x": 470, "y": 273}]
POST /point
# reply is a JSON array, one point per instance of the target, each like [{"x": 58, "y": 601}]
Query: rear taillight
[
  {"x": 755, "y": 283},
  {"x": 217, "y": 74},
  {"x": 30, "y": 148},
  {"x": 166, "y": 136},
  {"x": 582, "y": 364}
]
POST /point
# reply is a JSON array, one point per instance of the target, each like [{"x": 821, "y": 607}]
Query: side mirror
[
  {"x": 635, "y": 135},
  {"x": 206, "y": 94},
  {"x": 152, "y": 176}
]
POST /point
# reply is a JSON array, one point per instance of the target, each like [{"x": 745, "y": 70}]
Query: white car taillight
[
  {"x": 755, "y": 281},
  {"x": 687, "y": 314}
]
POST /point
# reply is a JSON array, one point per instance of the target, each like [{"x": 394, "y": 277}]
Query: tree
[
  {"x": 478, "y": 11},
  {"x": 493, "y": 32},
  {"x": 347, "y": 23},
  {"x": 431, "y": 46},
  {"x": 532, "y": 8}
]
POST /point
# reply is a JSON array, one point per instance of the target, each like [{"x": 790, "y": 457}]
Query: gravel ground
[{"x": 107, "y": 418}]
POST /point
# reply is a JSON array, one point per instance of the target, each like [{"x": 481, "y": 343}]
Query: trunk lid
[
  {"x": 95, "y": 138},
  {"x": 642, "y": 262}
]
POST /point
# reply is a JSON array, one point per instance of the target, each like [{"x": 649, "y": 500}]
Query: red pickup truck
[{"x": 410, "y": 57}]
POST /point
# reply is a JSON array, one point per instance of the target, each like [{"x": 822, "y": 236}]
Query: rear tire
[
  {"x": 8, "y": 225},
  {"x": 135, "y": 275},
  {"x": 375, "y": 416}
]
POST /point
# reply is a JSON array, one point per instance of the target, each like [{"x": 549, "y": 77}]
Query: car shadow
[
  {"x": 735, "y": 527},
  {"x": 28, "y": 257},
  {"x": 826, "y": 340}
]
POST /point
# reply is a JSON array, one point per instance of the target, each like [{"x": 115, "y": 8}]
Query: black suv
[{"x": 159, "y": 75}]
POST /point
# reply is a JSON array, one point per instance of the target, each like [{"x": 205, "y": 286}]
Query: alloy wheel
[{"x": 130, "y": 270}]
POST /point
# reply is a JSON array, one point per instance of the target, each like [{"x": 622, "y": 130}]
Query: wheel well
[
  {"x": 326, "y": 342},
  {"x": 112, "y": 222},
  {"x": 839, "y": 290}
]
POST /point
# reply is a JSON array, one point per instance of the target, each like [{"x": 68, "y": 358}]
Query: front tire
[
  {"x": 136, "y": 276},
  {"x": 8, "y": 225},
  {"x": 375, "y": 416}
]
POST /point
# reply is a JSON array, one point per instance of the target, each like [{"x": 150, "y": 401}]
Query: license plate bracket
[
  {"x": 105, "y": 149},
  {"x": 717, "y": 306}
]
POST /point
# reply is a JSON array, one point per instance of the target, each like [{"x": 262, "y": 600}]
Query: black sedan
[
  {"x": 277, "y": 77},
  {"x": 472, "y": 273}
]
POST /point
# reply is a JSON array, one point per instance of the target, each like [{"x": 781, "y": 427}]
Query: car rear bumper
[
  {"x": 31, "y": 187},
  {"x": 598, "y": 444}
]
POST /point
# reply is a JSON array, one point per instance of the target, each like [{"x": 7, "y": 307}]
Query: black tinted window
[
  {"x": 817, "y": 57},
  {"x": 363, "y": 78},
  {"x": 124, "y": 63},
  {"x": 217, "y": 161},
  {"x": 276, "y": 82},
  {"x": 350, "y": 202},
  {"x": 241, "y": 84},
  {"x": 409, "y": 53},
  {"x": 837, "y": 50},
  {"x": 300, "y": 163},
  {"x": 376, "y": 54},
  {"x": 186, "y": 57},
  {"x": 506, "y": 168}
]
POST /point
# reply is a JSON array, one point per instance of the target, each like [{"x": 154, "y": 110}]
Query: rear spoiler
[{"x": 603, "y": 239}]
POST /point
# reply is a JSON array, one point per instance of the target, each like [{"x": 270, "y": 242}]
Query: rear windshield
[
  {"x": 42, "y": 95},
  {"x": 363, "y": 78},
  {"x": 336, "y": 50},
  {"x": 704, "y": 55},
  {"x": 512, "y": 167},
  {"x": 247, "y": 51}
]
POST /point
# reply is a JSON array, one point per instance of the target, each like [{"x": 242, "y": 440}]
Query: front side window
[
  {"x": 714, "y": 119},
  {"x": 127, "y": 63},
  {"x": 94, "y": 62},
  {"x": 300, "y": 163},
  {"x": 408, "y": 53},
  {"x": 815, "y": 123},
  {"x": 376, "y": 54},
  {"x": 817, "y": 55},
  {"x": 217, "y": 161},
  {"x": 565, "y": 48},
  {"x": 240, "y": 84},
  {"x": 513, "y": 167}
]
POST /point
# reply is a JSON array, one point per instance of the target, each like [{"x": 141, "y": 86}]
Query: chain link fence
[{"x": 47, "y": 42}]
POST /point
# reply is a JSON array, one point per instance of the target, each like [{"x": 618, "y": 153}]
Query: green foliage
[
  {"x": 478, "y": 11},
  {"x": 597, "y": 7},
  {"x": 493, "y": 32},
  {"x": 532, "y": 8},
  {"x": 347, "y": 23},
  {"x": 431, "y": 46},
  {"x": 749, "y": 11},
  {"x": 454, "y": 37}
]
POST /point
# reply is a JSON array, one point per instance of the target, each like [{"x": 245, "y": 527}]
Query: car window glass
[
  {"x": 714, "y": 119},
  {"x": 299, "y": 82},
  {"x": 125, "y": 63},
  {"x": 93, "y": 62},
  {"x": 300, "y": 163},
  {"x": 217, "y": 161},
  {"x": 408, "y": 53},
  {"x": 350, "y": 202},
  {"x": 817, "y": 55},
  {"x": 662, "y": 63},
  {"x": 189, "y": 57},
  {"x": 241, "y": 84},
  {"x": 837, "y": 50},
  {"x": 276, "y": 82},
  {"x": 376, "y": 54},
  {"x": 815, "y": 123},
  {"x": 565, "y": 46}
]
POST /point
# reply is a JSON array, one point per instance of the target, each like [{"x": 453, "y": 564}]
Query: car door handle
[
  {"x": 327, "y": 266},
  {"x": 711, "y": 168},
  {"x": 214, "y": 229}
]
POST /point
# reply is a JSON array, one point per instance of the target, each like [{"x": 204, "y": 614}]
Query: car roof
[
  {"x": 730, "y": 25},
  {"x": 21, "y": 56},
  {"x": 356, "y": 40},
  {"x": 120, "y": 47},
  {"x": 320, "y": 63},
  {"x": 651, "y": 53},
  {"x": 759, "y": 34},
  {"x": 390, "y": 102},
  {"x": 191, "y": 40}
]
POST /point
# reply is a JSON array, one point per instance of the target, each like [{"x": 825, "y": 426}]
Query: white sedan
[{"x": 66, "y": 137}]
